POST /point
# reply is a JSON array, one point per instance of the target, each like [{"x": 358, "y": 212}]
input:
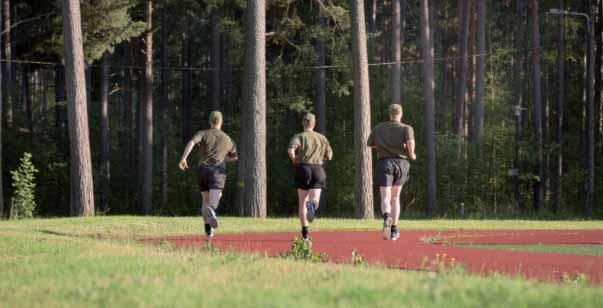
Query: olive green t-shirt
[
  {"x": 312, "y": 147},
  {"x": 389, "y": 139},
  {"x": 214, "y": 146}
]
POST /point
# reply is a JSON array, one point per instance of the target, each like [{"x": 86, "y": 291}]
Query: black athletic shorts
[
  {"x": 391, "y": 172},
  {"x": 212, "y": 177},
  {"x": 309, "y": 176}
]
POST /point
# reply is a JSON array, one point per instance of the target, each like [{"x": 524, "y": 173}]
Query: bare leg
[
  {"x": 210, "y": 205},
  {"x": 204, "y": 204},
  {"x": 302, "y": 196},
  {"x": 214, "y": 198},
  {"x": 395, "y": 203},
  {"x": 314, "y": 196},
  {"x": 386, "y": 195}
]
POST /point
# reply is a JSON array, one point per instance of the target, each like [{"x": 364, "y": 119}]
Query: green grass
[
  {"x": 95, "y": 262},
  {"x": 132, "y": 227},
  {"x": 586, "y": 250}
]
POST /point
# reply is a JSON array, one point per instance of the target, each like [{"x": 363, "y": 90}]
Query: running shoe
[
  {"x": 211, "y": 216},
  {"x": 209, "y": 232},
  {"x": 395, "y": 234},
  {"x": 387, "y": 228},
  {"x": 311, "y": 210}
]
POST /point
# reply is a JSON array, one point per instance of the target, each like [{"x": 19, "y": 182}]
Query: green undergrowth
[{"x": 77, "y": 263}]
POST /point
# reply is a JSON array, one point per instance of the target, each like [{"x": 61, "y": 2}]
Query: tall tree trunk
[
  {"x": 105, "y": 166},
  {"x": 373, "y": 20},
  {"x": 214, "y": 61},
  {"x": 599, "y": 76},
  {"x": 61, "y": 133},
  {"x": 164, "y": 111},
  {"x": 226, "y": 76},
  {"x": 481, "y": 71},
  {"x": 1, "y": 123},
  {"x": 537, "y": 97},
  {"x": 461, "y": 69},
  {"x": 363, "y": 192},
  {"x": 546, "y": 181},
  {"x": 127, "y": 103},
  {"x": 8, "y": 67},
  {"x": 396, "y": 53},
  {"x": 470, "y": 93},
  {"x": 320, "y": 102},
  {"x": 558, "y": 190},
  {"x": 147, "y": 139},
  {"x": 82, "y": 189},
  {"x": 441, "y": 43},
  {"x": 518, "y": 85},
  {"x": 60, "y": 97},
  {"x": 88, "y": 73},
  {"x": 428, "y": 94},
  {"x": 27, "y": 97},
  {"x": 44, "y": 89},
  {"x": 251, "y": 180},
  {"x": 138, "y": 136},
  {"x": 187, "y": 91},
  {"x": 590, "y": 121}
]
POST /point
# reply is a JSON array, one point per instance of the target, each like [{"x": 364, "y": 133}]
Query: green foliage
[
  {"x": 105, "y": 24},
  {"x": 302, "y": 250},
  {"x": 23, "y": 201},
  {"x": 476, "y": 181}
]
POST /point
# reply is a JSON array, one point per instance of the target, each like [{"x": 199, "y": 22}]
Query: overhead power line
[{"x": 195, "y": 68}]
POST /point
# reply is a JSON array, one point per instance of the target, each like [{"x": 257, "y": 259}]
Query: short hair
[
  {"x": 395, "y": 109},
  {"x": 215, "y": 117},
  {"x": 308, "y": 119}
]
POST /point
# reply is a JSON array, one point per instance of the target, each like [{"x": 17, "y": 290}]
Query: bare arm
[
  {"x": 291, "y": 153},
  {"x": 410, "y": 147},
  {"x": 189, "y": 147},
  {"x": 231, "y": 157}
]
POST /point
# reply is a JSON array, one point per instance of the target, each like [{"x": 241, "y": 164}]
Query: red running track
[{"x": 413, "y": 253}]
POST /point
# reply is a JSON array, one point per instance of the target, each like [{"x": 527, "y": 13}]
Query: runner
[
  {"x": 394, "y": 142},
  {"x": 215, "y": 149},
  {"x": 312, "y": 148}
]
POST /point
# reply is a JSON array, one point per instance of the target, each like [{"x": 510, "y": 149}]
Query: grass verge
[
  {"x": 74, "y": 263},
  {"x": 584, "y": 250}
]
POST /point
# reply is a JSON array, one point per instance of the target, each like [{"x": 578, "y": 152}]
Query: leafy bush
[{"x": 23, "y": 202}]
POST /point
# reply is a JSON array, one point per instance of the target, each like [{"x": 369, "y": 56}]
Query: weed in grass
[
  {"x": 442, "y": 264},
  {"x": 302, "y": 250},
  {"x": 357, "y": 259},
  {"x": 210, "y": 248},
  {"x": 436, "y": 239},
  {"x": 576, "y": 279}
]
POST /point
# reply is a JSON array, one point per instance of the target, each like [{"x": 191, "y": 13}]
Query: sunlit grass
[
  {"x": 135, "y": 227},
  {"x": 585, "y": 250},
  {"x": 91, "y": 262}
]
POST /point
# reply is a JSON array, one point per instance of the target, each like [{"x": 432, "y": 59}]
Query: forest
[{"x": 505, "y": 98}]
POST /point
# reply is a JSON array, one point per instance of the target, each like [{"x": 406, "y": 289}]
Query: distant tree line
[{"x": 104, "y": 94}]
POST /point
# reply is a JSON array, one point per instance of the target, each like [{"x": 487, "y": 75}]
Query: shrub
[{"x": 23, "y": 202}]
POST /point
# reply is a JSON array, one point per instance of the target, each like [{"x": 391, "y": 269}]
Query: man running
[
  {"x": 215, "y": 149},
  {"x": 394, "y": 142},
  {"x": 312, "y": 148}
]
